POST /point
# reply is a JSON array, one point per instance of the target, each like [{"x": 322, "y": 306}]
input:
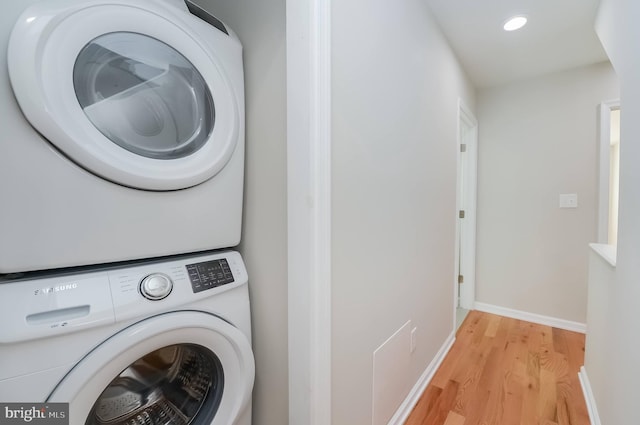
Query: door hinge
[
  {"x": 460, "y": 278},
  {"x": 463, "y": 147},
  {"x": 461, "y": 214}
]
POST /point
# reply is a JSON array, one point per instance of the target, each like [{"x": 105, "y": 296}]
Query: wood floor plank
[
  {"x": 491, "y": 412},
  {"x": 473, "y": 329},
  {"x": 492, "y": 327},
  {"x": 567, "y": 412},
  {"x": 503, "y": 371},
  {"x": 555, "y": 362},
  {"x": 575, "y": 346},
  {"x": 512, "y": 396},
  {"x": 454, "y": 419},
  {"x": 560, "y": 341},
  {"x": 548, "y": 396},
  {"x": 490, "y": 378},
  {"x": 468, "y": 378},
  {"x": 530, "y": 395},
  {"x": 533, "y": 370},
  {"x": 442, "y": 407},
  {"x": 477, "y": 407},
  {"x": 503, "y": 334},
  {"x": 571, "y": 407},
  {"x": 448, "y": 366},
  {"x": 428, "y": 399},
  {"x": 536, "y": 337}
]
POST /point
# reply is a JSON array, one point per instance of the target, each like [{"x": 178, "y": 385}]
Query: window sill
[{"x": 607, "y": 252}]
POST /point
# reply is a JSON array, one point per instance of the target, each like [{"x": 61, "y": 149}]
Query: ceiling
[{"x": 558, "y": 36}]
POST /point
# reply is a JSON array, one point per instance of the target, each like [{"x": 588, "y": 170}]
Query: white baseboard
[
  {"x": 409, "y": 403},
  {"x": 588, "y": 397},
  {"x": 532, "y": 317}
]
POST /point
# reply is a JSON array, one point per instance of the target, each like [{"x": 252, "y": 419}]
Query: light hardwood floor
[{"x": 503, "y": 371}]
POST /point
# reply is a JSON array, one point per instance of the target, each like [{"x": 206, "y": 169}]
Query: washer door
[
  {"x": 179, "y": 368},
  {"x": 127, "y": 90}
]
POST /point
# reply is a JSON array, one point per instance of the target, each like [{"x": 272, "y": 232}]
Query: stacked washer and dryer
[{"x": 121, "y": 187}]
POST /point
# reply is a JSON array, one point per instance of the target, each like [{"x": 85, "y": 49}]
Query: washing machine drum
[
  {"x": 133, "y": 91},
  {"x": 177, "y": 368},
  {"x": 173, "y": 384}
]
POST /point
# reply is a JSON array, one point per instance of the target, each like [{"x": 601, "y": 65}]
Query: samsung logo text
[{"x": 58, "y": 288}]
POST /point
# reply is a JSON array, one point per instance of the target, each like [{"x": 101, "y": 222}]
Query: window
[
  {"x": 614, "y": 177},
  {"x": 609, "y": 172}
]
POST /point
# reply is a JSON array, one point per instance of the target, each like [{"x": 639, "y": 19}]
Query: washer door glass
[
  {"x": 171, "y": 385},
  {"x": 143, "y": 95},
  {"x": 138, "y": 93}
]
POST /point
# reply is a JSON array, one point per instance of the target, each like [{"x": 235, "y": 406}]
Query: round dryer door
[
  {"x": 178, "y": 368},
  {"x": 143, "y": 95},
  {"x": 136, "y": 92}
]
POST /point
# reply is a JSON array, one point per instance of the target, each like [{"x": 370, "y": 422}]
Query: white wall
[
  {"x": 537, "y": 139},
  {"x": 260, "y": 25},
  {"x": 602, "y": 277},
  {"x": 396, "y": 85},
  {"x": 617, "y": 354}
]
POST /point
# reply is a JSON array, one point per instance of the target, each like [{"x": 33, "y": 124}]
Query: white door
[
  {"x": 466, "y": 244},
  {"x": 187, "y": 367},
  {"x": 126, "y": 90}
]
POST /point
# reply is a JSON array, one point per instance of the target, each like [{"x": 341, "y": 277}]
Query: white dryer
[
  {"x": 150, "y": 343},
  {"x": 122, "y": 132}
]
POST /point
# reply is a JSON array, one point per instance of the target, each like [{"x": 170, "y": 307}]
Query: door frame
[
  {"x": 308, "y": 44},
  {"x": 466, "y": 240}
]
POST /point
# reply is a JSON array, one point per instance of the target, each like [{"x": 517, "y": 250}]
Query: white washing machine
[
  {"x": 122, "y": 132},
  {"x": 150, "y": 343}
]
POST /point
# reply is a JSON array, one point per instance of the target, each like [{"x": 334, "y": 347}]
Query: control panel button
[{"x": 156, "y": 286}]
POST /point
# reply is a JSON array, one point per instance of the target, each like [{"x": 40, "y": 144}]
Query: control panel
[
  {"x": 209, "y": 274},
  {"x": 62, "y": 304},
  {"x": 149, "y": 288}
]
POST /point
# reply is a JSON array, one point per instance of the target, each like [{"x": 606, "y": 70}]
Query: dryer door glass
[
  {"x": 144, "y": 95},
  {"x": 178, "y": 385}
]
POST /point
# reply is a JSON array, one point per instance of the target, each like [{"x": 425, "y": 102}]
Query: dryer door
[
  {"x": 179, "y": 368},
  {"x": 128, "y": 90}
]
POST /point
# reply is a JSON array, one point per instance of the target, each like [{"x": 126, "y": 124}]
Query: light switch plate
[{"x": 568, "y": 200}]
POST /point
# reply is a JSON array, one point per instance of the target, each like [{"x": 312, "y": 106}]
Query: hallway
[{"x": 503, "y": 371}]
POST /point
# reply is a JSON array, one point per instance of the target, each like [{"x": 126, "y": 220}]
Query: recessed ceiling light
[{"x": 515, "y": 23}]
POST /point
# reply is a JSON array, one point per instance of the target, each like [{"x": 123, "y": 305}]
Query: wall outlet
[
  {"x": 414, "y": 337},
  {"x": 569, "y": 200}
]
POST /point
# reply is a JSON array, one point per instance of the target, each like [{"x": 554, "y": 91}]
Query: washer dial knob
[{"x": 156, "y": 286}]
